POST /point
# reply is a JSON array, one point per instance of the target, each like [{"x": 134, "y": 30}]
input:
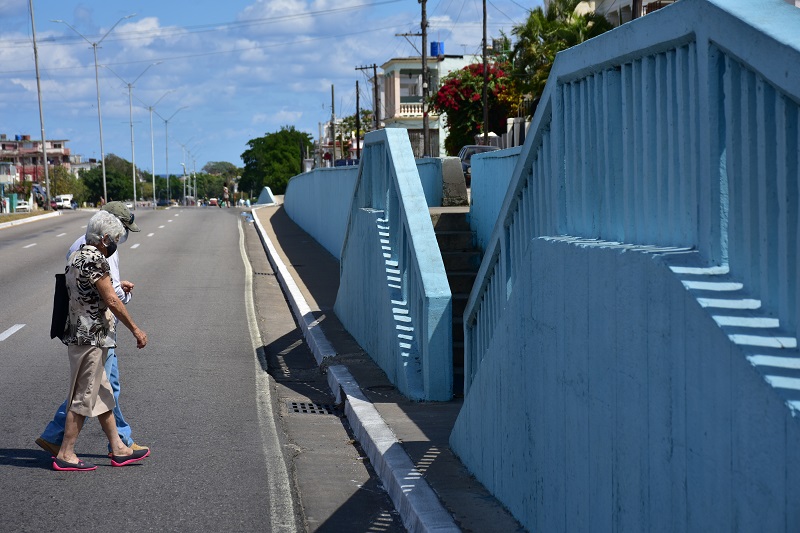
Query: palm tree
[{"x": 543, "y": 35}]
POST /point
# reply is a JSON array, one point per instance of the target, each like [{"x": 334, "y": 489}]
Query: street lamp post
[
  {"x": 97, "y": 85},
  {"x": 130, "y": 111},
  {"x": 166, "y": 145},
  {"x": 150, "y": 108}
]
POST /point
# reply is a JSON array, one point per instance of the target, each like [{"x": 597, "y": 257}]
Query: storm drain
[{"x": 310, "y": 408}]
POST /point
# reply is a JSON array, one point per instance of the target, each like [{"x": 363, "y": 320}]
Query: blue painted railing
[
  {"x": 678, "y": 130},
  {"x": 394, "y": 297}
]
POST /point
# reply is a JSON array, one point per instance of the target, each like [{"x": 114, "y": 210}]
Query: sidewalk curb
[
  {"x": 29, "y": 219},
  {"x": 412, "y": 496}
]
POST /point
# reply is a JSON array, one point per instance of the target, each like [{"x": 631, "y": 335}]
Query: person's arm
[
  {"x": 122, "y": 288},
  {"x": 106, "y": 290}
]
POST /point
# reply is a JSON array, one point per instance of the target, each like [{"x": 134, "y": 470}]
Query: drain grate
[{"x": 310, "y": 408}]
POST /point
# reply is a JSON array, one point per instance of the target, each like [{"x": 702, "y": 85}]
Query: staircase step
[
  {"x": 455, "y": 241},
  {"x": 454, "y": 219},
  {"x": 462, "y": 260},
  {"x": 460, "y": 282}
]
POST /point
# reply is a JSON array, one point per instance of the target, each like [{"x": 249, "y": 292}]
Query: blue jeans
[{"x": 54, "y": 432}]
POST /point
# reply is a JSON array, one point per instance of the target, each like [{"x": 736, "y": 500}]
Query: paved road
[
  {"x": 217, "y": 464},
  {"x": 229, "y": 454}
]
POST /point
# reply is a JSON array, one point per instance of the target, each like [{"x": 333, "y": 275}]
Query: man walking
[{"x": 51, "y": 438}]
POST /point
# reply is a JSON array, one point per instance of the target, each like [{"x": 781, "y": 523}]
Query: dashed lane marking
[
  {"x": 161, "y": 227},
  {"x": 10, "y": 331},
  {"x": 135, "y": 246},
  {"x": 28, "y": 246},
  {"x": 60, "y": 234},
  {"x": 150, "y": 234}
]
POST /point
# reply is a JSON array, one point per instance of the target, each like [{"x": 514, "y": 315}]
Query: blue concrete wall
[
  {"x": 319, "y": 202},
  {"x": 491, "y": 175},
  {"x": 430, "y": 176},
  {"x": 610, "y": 400},
  {"x": 652, "y": 401}
]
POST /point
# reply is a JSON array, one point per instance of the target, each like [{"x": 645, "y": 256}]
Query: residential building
[
  {"x": 78, "y": 165},
  {"x": 26, "y": 155},
  {"x": 401, "y": 95}
]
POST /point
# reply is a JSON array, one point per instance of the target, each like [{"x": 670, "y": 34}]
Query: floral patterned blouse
[{"x": 90, "y": 319}]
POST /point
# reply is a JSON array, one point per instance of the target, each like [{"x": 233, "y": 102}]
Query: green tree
[
  {"x": 272, "y": 159},
  {"x": 119, "y": 180},
  {"x": 367, "y": 123},
  {"x": 62, "y": 181},
  {"x": 221, "y": 168},
  {"x": 460, "y": 97},
  {"x": 543, "y": 35}
]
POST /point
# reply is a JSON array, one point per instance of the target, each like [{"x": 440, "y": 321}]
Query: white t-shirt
[{"x": 113, "y": 262}]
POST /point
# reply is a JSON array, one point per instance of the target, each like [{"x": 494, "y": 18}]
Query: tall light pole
[
  {"x": 97, "y": 85},
  {"x": 151, "y": 108},
  {"x": 130, "y": 111},
  {"x": 166, "y": 145},
  {"x": 41, "y": 113}
]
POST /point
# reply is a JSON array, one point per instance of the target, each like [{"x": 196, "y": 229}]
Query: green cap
[{"x": 121, "y": 211}]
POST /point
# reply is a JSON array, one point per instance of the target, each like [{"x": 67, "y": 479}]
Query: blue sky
[{"x": 226, "y": 72}]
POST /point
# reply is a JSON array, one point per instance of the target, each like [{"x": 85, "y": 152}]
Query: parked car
[
  {"x": 465, "y": 155},
  {"x": 213, "y": 202},
  {"x": 53, "y": 204},
  {"x": 64, "y": 201},
  {"x": 23, "y": 207}
]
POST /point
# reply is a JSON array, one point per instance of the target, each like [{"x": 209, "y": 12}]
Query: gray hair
[{"x": 101, "y": 224}]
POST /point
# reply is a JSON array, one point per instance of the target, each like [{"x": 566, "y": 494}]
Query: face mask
[
  {"x": 110, "y": 249},
  {"x": 124, "y": 237}
]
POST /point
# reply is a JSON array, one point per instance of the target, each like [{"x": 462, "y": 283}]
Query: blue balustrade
[{"x": 394, "y": 297}]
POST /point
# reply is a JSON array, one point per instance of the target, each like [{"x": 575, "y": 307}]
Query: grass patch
[{"x": 11, "y": 217}]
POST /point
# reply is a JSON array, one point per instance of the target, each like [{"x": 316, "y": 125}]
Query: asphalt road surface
[{"x": 227, "y": 454}]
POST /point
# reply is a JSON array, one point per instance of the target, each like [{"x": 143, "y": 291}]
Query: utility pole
[
  {"x": 376, "y": 94},
  {"x": 636, "y": 9},
  {"x": 41, "y": 113},
  {"x": 358, "y": 125},
  {"x": 485, "y": 83},
  {"x": 333, "y": 126},
  {"x": 426, "y": 141}
]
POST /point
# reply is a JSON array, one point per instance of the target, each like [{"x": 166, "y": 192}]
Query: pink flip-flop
[{"x": 80, "y": 466}]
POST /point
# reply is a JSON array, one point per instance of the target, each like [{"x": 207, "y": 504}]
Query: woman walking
[{"x": 92, "y": 301}]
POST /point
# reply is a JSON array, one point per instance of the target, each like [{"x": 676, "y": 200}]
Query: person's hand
[
  {"x": 127, "y": 286},
  {"x": 141, "y": 338}
]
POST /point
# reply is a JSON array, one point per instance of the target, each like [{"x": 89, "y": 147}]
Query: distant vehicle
[
  {"x": 213, "y": 202},
  {"x": 53, "y": 204},
  {"x": 162, "y": 202},
  {"x": 23, "y": 207},
  {"x": 466, "y": 153},
  {"x": 64, "y": 201},
  {"x": 129, "y": 205}
]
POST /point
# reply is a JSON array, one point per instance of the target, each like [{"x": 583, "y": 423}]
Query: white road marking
[
  {"x": 170, "y": 220},
  {"x": 28, "y": 246},
  {"x": 10, "y": 331},
  {"x": 161, "y": 227},
  {"x": 60, "y": 234},
  {"x": 278, "y": 487},
  {"x": 150, "y": 234},
  {"x": 135, "y": 246}
]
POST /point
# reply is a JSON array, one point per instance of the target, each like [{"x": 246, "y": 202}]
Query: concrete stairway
[{"x": 461, "y": 261}]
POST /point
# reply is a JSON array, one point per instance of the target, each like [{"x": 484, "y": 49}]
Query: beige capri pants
[{"x": 90, "y": 391}]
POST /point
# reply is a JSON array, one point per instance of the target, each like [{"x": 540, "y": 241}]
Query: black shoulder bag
[{"x": 58, "y": 325}]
